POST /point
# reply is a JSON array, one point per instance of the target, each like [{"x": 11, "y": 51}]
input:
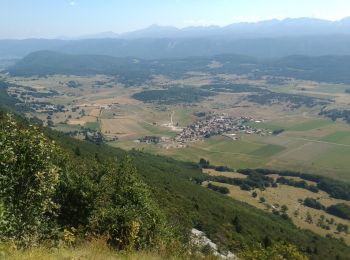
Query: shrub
[
  {"x": 28, "y": 182},
  {"x": 340, "y": 210},
  {"x": 342, "y": 228},
  {"x": 278, "y": 131},
  {"x": 312, "y": 203},
  {"x": 308, "y": 218},
  {"x": 284, "y": 208},
  {"x": 245, "y": 186},
  {"x": 254, "y": 194},
  {"x": 223, "y": 190},
  {"x": 124, "y": 211}
]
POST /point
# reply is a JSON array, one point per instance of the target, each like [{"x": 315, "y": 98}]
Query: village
[
  {"x": 218, "y": 125},
  {"x": 210, "y": 126}
]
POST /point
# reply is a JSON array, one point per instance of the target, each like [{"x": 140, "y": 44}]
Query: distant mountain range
[
  {"x": 267, "y": 39},
  {"x": 270, "y": 28}
]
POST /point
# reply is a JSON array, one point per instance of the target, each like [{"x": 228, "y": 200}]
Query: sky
[{"x": 72, "y": 18}]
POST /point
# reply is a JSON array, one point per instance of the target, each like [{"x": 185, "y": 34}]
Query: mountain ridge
[
  {"x": 267, "y": 39},
  {"x": 284, "y": 27}
]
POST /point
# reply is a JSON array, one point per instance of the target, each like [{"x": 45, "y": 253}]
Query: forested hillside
[{"x": 136, "y": 71}]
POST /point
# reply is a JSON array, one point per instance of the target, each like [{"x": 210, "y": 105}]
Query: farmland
[{"x": 309, "y": 142}]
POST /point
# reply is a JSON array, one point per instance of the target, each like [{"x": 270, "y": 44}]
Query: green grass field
[
  {"x": 67, "y": 128},
  {"x": 267, "y": 125},
  {"x": 268, "y": 150},
  {"x": 310, "y": 125},
  {"x": 338, "y": 137},
  {"x": 95, "y": 126},
  {"x": 155, "y": 130},
  {"x": 304, "y": 125}
]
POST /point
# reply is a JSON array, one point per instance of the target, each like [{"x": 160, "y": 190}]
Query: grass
[
  {"x": 89, "y": 250},
  {"x": 336, "y": 160},
  {"x": 338, "y": 137},
  {"x": 219, "y": 143},
  {"x": 331, "y": 88},
  {"x": 155, "y": 130},
  {"x": 267, "y": 125},
  {"x": 268, "y": 150},
  {"x": 94, "y": 126},
  {"x": 67, "y": 128},
  {"x": 310, "y": 125},
  {"x": 296, "y": 125},
  {"x": 317, "y": 158}
]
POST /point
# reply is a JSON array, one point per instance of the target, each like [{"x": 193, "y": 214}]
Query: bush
[
  {"x": 204, "y": 163},
  {"x": 342, "y": 228},
  {"x": 28, "y": 182},
  {"x": 124, "y": 211},
  {"x": 223, "y": 190},
  {"x": 285, "y": 216},
  {"x": 299, "y": 184},
  {"x": 340, "y": 210},
  {"x": 278, "y": 131},
  {"x": 312, "y": 203},
  {"x": 284, "y": 208},
  {"x": 254, "y": 194},
  {"x": 245, "y": 186},
  {"x": 336, "y": 189}
]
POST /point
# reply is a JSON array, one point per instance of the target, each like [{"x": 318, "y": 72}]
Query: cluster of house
[{"x": 217, "y": 125}]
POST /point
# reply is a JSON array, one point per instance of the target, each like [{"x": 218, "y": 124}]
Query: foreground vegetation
[{"x": 47, "y": 195}]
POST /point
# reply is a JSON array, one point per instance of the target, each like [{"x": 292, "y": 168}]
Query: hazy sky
[{"x": 53, "y": 18}]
